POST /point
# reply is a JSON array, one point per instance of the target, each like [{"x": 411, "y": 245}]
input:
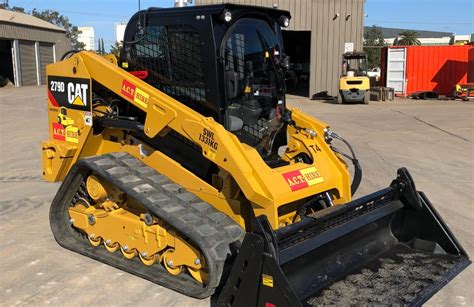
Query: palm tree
[{"x": 407, "y": 38}]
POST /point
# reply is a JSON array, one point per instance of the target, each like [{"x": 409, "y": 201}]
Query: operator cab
[
  {"x": 354, "y": 64},
  {"x": 224, "y": 61}
]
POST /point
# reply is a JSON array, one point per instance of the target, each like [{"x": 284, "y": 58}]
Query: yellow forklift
[{"x": 354, "y": 84}]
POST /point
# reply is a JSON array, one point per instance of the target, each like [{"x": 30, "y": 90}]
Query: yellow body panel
[{"x": 266, "y": 189}]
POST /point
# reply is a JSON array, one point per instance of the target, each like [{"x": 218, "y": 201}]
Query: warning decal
[
  {"x": 131, "y": 91},
  {"x": 303, "y": 178},
  {"x": 68, "y": 134},
  {"x": 59, "y": 133},
  {"x": 71, "y": 93},
  {"x": 267, "y": 280},
  {"x": 128, "y": 89}
]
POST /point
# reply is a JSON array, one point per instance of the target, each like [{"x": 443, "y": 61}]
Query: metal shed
[
  {"x": 316, "y": 38},
  {"x": 27, "y": 45}
]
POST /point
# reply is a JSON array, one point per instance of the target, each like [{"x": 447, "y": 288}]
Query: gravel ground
[
  {"x": 396, "y": 280},
  {"x": 433, "y": 139}
]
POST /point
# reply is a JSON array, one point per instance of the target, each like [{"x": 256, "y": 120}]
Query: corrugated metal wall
[
  {"x": 436, "y": 68},
  {"x": 328, "y": 33},
  {"x": 470, "y": 66},
  {"x": 50, "y": 42},
  {"x": 432, "y": 68},
  {"x": 16, "y": 31}
]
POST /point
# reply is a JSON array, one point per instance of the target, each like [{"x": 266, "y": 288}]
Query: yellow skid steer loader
[{"x": 182, "y": 163}]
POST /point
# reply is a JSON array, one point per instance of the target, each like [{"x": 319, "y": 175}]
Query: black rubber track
[{"x": 211, "y": 231}]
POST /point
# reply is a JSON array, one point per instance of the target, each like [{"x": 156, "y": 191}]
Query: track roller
[
  {"x": 95, "y": 241},
  {"x": 147, "y": 260},
  {"x": 111, "y": 247},
  {"x": 127, "y": 253},
  {"x": 168, "y": 263}
]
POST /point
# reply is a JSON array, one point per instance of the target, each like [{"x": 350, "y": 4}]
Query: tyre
[
  {"x": 367, "y": 97},
  {"x": 340, "y": 99}
]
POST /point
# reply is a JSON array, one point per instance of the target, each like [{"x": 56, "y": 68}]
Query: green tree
[
  {"x": 407, "y": 38},
  {"x": 18, "y": 9},
  {"x": 61, "y": 21},
  {"x": 373, "y": 43}
]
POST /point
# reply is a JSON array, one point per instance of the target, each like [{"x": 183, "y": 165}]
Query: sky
[{"x": 454, "y": 16}]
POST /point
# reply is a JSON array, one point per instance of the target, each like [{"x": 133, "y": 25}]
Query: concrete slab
[{"x": 433, "y": 139}]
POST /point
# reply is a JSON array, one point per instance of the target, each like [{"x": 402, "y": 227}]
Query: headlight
[
  {"x": 227, "y": 16},
  {"x": 284, "y": 21}
]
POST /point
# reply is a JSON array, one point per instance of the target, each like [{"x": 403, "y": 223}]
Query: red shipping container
[{"x": 425, "y": 68}]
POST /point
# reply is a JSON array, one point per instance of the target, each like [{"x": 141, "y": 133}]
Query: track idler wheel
[{"x": 200, "y": 275}]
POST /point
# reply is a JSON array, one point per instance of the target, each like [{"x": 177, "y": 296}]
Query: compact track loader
[{"x": 182, "y": 163}]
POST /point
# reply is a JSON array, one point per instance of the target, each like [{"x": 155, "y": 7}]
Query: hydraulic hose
[
  {"x": 357, "y": 168},
  {"x": 69, "y": 53}
]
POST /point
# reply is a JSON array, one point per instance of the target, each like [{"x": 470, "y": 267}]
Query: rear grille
[{"x": 258, "y": 129}]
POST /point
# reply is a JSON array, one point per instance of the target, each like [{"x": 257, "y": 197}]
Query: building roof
[
  {"x": 26, "y": 19},
  {"x": 393, "y": 32}
]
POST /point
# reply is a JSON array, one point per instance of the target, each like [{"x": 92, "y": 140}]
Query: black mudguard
[{"x": 389, "y": 247}]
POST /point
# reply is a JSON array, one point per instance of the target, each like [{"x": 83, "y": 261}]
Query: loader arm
[{"x": 265, "y": 188}]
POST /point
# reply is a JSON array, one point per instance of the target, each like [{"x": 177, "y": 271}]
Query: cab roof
[
  {"x": 354, "y": 54},
  {"x": 214, "y": 9}
]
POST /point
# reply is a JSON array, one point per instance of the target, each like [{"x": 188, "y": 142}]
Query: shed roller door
[
  {"x": 28, "y": 63},
  {"x": 46, "y": 57}
]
